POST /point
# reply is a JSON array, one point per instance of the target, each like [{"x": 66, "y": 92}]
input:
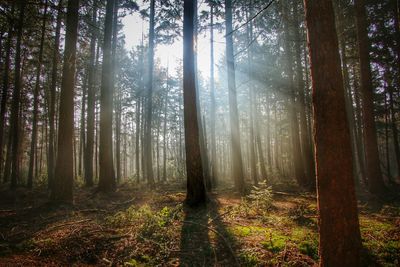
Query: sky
[{"x": 171, "y": 54}]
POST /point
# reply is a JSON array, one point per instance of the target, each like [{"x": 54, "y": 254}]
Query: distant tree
[
  {"x": 91, "y": 102},
  {"x": 62, "y": 189},
  {"x": 374, "y": 174},
  {"x": 237, "y": 163},
  {"x": 52, "y": 100},
  {"x": 196, "y": 193},
  {"x": 340, "y": 241},
  {"x": 36, "y": 100}
]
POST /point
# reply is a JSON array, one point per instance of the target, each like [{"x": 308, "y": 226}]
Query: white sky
[{"x": 171, "y": 54}]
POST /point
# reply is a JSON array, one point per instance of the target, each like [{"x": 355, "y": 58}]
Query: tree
[
  {"x": 149, "y": 106},
  {"x": 196, "y": 194},
  {"x": 15, "y": 108},
  {"x": 36, "y": 100},
  {"x": 107, "y": 176},
  {"x": 52, "y": 101},
  {"x": 62, "y": 189},
  {"x": 340, "y": 240},
  {"x": 372, "y": 163},
  {"x": 237, "y": 164},
  {"x": 91, "y": 103}
]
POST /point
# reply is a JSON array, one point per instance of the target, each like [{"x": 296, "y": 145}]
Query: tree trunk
[
  {"x": 35, "y": 102},
  {"x": 196, "y": 194},
  {"x": 214, "y": 160},
  {"x": 307, "y": 154},
  {"x": 15, "y": 106},
  {"x": 149, "y": 110},
  {"x": 63, "y": 183},
  {"x": 374, "y": 175},
  {"x": 237, "y": 164},
  {"x": 107, "y": 176},
  {"x": 4, "y": 93},
  {"x": 52, "y": 108},
  {"x": 295, "y": 138},
  {"x": 340, "y": 241}
]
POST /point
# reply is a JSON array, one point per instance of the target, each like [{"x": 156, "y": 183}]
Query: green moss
[
  {"x": 275, "y": 241},
  {"x": 243, "y": 231},
  {"x": 248, "y": 259}
]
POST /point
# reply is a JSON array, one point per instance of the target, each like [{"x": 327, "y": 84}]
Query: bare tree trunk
[
  {"x": 374, "y": 174},
  {"x": 54, "y": 78},
  {"x": 91, "y": 99},
  {"x": 297, "y": 156},
  {"x": 4, "y": 94},
  {"x": 149, "y": 108},
  {"x": 196, "y": 194},
  {"x": 214, "y": 160},
  {"x": 63, "y": 184},
  {"x": 237, "y": 163},
  {"x": 36, "y": 102},
  {"x": 340, "y": 240},
  {"x": 15, "y": 106}
]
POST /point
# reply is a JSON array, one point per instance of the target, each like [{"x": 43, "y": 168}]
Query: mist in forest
[{"x": 199, "y": 133}]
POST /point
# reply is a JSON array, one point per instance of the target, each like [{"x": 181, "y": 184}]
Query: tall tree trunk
[
  {"x": 4, "y": 93},
  {"x": 117, "y": 94},
  {"x": 52, "y": 108},
  {"x": 137, "y": 138},
  {"x": 82, "y": 143},
  {"x": 91, "y": 99},
  {"x": 307, "y": 154},
  {"x": 36, "y": 102},
  {"x": 237, "y": 164},
  {"x": 374, "y": 175},
  {"x": 297, "y": 156},
  {"x": 107, "y": 176},
  {"x": 63, "y": 183},
  {"x": 214, "y": 160},
  {"x": 149, "y": 108},
  {"x": 15, "y": 106},
  {"x": 164, "y": 177},
  {"x": 340, "y": 241},
  {"x": 253, "y": 157},
  {"x": 196, "y": 194}
]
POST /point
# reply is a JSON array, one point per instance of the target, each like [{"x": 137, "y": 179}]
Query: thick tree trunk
[
  {"x": 107, "y": 176},
  {"x": 63, "y": 183},
  {"x": 237, "y": 163},
  {"x": 374, "y": 175},
  {"x": 340, "y": 241},
  {"x": 196, "y": 194},
  {"x": 52, "y": 102}
]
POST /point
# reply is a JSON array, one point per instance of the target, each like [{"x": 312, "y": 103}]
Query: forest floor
[{"x": 139, "y": 227}]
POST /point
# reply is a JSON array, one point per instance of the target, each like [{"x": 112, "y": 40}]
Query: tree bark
[
  {"x": 64, "y": 172},
  {"x": 196, "y": 194},
  {"x": 106, "y": 175},
  {"x": 340, "y": 241}
]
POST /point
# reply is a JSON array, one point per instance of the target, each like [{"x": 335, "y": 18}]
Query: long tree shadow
[{"x": 205, "y": 240}]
